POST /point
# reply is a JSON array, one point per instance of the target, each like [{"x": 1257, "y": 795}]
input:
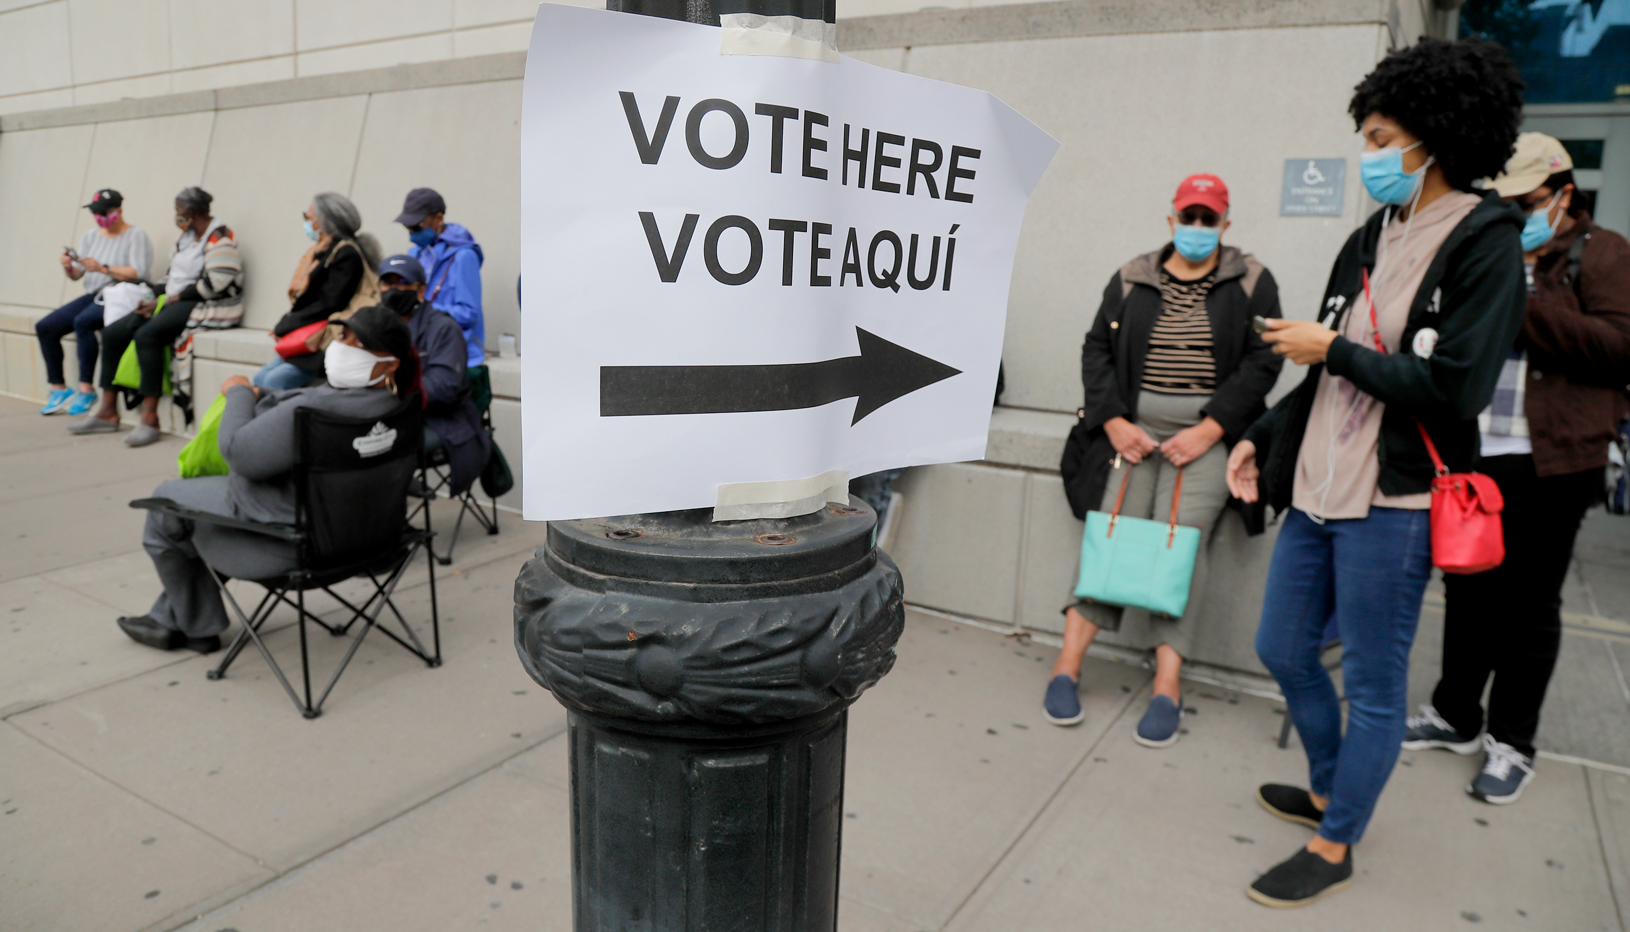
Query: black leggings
[
  {"x": 1507, "y": 622},
  {"x": 152, "y": 335}
]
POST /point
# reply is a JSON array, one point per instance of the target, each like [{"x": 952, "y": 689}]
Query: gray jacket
[{"x": 258, "y": 442}]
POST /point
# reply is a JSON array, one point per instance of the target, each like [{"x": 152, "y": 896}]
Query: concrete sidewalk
[{"x": 135, "y": 794}]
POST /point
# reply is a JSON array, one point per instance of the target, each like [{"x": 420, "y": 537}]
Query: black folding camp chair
[
  {"x": 438, "y": 478},
  {"x": 352, "y": 479}
]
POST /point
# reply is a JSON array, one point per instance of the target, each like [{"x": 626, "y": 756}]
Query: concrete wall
[
  {"x": 66, "y": 52},
  {"x": 1139, "y": 93},
  {"x": 58, "y": 53},
  {"x": 263, "y": 151}
]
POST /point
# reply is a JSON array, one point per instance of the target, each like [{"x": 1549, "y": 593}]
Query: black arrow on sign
[{"x": 881, "y": 373}]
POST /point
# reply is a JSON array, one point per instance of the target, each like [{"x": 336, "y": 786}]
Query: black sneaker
[
  {"x": 144, "y": 630},
  {"x": 1301, "y": 879},
  {"x": 1429, "y": 732},
  {"x": 1291, "y": 803}
]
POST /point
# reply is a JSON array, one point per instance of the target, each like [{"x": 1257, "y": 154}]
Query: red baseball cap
[{"x": 1205, "y": 190}]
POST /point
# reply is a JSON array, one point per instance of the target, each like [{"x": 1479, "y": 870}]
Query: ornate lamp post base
[{"x": 708, "y": 669}]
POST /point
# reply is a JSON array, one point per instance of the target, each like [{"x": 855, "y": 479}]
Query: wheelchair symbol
[{"x": 1311, "y": 175}]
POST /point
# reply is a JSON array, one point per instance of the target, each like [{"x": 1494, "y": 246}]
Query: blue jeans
[
  {"x": 82, "y": 317},
  {"x": 1369, "y": 574},
  {"x": 282, "y": 375}
]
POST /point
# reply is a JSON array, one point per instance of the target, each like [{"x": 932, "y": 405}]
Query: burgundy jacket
[{"x": 1578, "y": 350}]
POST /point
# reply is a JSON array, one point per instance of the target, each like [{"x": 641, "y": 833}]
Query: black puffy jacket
[{"x": 1113, "y": 355}]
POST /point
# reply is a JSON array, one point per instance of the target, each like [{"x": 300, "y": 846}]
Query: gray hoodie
[{"x": 257, "y": 440}]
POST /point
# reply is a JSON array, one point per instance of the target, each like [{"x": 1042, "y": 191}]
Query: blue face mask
[
  {"x": 311, "y": 231},
  {"x": 422, "y": 237},
  {"x": 1539, "y": 229},
  {"x": 1385, "y": 178},
  {"x": 1195, "y": 243}
]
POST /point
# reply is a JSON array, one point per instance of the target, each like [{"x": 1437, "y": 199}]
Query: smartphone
[
  {"x": 1259, "y": 324},
  {"x": 71, "y": 254}
]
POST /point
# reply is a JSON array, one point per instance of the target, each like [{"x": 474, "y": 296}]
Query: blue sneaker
[
  {"x": 57, "y": 400},
  {"x": 1159, "y": 726},
  {"x": 1062, "y": 706},
  {"x": 1506, "y": 771},
  {"x": 1428, "y": 731},
  {"x": 83, "y": 403}
]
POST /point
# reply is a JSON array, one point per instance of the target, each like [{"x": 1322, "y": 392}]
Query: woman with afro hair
[{"x": 1422, "y": 308}]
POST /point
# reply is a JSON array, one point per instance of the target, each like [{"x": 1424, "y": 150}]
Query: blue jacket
[{"x": 452, "y": 274}]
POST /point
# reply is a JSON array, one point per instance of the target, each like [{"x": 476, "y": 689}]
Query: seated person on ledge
[
  {"x": 450, "y": 417},
  {"x": 205, "y": 278},
  {"x": 368, "y": 368}
]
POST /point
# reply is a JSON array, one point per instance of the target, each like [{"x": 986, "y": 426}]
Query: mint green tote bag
[{"x": 1138, "y": 563}]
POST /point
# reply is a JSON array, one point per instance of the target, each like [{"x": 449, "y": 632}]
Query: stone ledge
[
  {"x": 506, "y": 376},
  {"x": 1026, "y": 438},
  {"x": 251, "y": 346},
  {"x": 19, "y": 318}
]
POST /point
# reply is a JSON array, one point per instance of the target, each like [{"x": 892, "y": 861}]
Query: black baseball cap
[
  {"x": 419, "y": 204},
  {"x": 105, "y": 200},
  {"x": 407, "y": 267},
  {"x": 379, "y": 329}
]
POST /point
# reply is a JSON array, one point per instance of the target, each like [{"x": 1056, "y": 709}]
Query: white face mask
[{"x": 350, "y": 366}]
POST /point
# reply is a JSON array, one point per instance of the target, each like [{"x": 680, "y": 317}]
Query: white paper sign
[{"x": 720, "y": 289}]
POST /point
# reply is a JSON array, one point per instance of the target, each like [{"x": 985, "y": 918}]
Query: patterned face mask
[{"x": 108, "y": 220}]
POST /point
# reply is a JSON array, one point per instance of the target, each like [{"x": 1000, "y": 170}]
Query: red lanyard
[{"x": 1375, "y": 325}]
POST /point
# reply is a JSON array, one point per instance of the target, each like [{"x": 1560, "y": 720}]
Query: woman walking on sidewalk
[
  {"x": 1421, "y": 309},
  {"x": 1545, "y": 442},
  {"x": 1173, "y": 372}
]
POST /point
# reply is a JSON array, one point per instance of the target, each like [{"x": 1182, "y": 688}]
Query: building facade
[{"x": 266, "y": 102}]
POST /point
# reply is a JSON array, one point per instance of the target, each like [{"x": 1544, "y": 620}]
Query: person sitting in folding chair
[
  {"x": 367, "y": 370},
  {"x": 458, "y": 436},
  {"x": 451, "y": 421}
]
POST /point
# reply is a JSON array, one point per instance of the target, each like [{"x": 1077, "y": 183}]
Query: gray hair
[
  {"x": 339, "y": 218},
  {"x": 195, "y": 200}
]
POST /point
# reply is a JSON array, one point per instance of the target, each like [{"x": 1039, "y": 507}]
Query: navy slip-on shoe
[
  {"x": 1158, "y": 729},
  {"x": 1062, "y": 706}
]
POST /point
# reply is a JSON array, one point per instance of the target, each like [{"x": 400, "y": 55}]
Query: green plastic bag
[
  {"x": 202, "y": 454},
  {"x": 128, "y": 375}
]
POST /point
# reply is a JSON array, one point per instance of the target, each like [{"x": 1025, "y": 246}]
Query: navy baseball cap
[
  {"x": 407, "y": 267},
  {"x": 419, "y": 204},
  {"x": 105, "y": 200}
]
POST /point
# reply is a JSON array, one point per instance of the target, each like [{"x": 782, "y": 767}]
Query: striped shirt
[
  {"x": 1179, "y": 360},
  {"x": 131, "y": 248}
]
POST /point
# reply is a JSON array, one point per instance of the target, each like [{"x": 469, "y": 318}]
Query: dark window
[
  {"x": 1568, "y": 50},
  {"x": 1586, "y": 153}
]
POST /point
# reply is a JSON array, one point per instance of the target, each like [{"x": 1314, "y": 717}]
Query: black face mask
[{"x": 401, "y": 301}]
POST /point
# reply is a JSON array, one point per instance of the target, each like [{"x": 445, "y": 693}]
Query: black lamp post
[{"x": 708, "y": 668}]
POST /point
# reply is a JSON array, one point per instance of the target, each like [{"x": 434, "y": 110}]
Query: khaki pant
[{"x": 1149, "y": 495}]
